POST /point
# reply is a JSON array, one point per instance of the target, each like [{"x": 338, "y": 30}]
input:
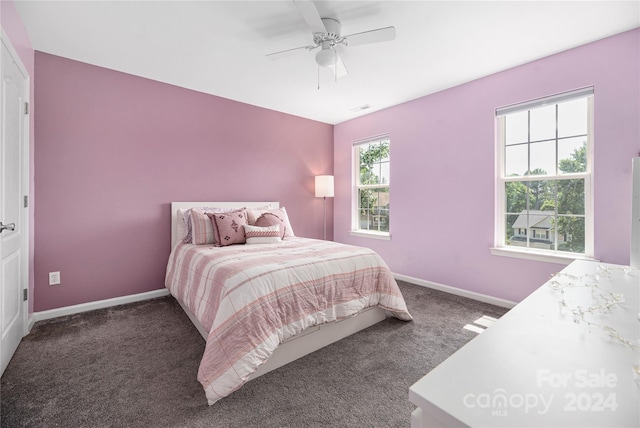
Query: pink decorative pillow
[
  {"x": 254, "y": 213},
  {"x": 262, "y": 235},
  {"x": 229, "y": 227},
  {"x": 281, "y": 213},
  {"x": 197, "y": 222},
  {"x": 270, "y": 219}
]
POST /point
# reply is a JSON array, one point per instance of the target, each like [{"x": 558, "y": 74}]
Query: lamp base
[{"x": 324, "y": 198}]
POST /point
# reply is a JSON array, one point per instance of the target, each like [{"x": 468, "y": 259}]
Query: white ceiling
[{"x": 219, "y": 47}]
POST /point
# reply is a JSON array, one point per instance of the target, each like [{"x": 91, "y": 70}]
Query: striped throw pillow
[{"x": 262, "y": 235}]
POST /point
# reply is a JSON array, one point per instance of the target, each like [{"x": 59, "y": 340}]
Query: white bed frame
[{"x": 309, "y": 340}]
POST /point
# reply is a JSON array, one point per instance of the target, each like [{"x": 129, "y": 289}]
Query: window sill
[
  {"x": 539, "y": 256},
  {"x": 370, "y": 234}
]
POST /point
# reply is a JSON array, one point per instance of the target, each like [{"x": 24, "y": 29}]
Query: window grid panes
[
  {"x": 544, "y": 173},
  {"x": 372, "y": 185}
]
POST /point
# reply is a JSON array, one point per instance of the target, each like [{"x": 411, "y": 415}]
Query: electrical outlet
[{"x": 54, "y": 278}]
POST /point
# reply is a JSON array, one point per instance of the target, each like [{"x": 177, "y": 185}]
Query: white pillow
[
  {"x": 262, "y": 235},
  {"x": 181, "y": 226}
]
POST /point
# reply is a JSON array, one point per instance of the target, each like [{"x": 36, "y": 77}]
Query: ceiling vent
[{"x": 361, "y": 108}]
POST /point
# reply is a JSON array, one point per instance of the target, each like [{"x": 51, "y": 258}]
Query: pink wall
[
  {"x": 113, "y": 150},
  {"x": 442, "y": 177},
  {"x": 19, "y": 39}
]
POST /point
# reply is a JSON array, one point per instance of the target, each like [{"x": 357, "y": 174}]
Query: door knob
[{"x": 10, "y": 227}]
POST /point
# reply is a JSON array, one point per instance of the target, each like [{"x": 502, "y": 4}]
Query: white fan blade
[
  {"x": 338, "y": 68},
  {"x": 283, "y": 54},
  {"x": 311, "y": 16},
  {"x": 371, "y": 36}
]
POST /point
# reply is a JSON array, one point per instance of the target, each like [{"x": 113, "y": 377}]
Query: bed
[{"x": 261, "y": 306}]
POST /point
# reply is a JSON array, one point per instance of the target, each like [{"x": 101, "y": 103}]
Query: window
[
  {"x": 371, "y": 190},
  {"x": 544, "y": 197}
]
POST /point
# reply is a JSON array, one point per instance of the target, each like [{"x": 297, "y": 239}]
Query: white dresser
[{"x": 537, "y": 367}]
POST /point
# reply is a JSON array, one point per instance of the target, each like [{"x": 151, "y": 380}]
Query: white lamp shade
[{"x": 324, "y": 186}]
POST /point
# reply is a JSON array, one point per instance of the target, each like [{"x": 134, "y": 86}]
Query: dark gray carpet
[{"x": 135, "y": 366}]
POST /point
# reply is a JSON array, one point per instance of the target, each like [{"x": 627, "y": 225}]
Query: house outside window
[
  {"x": 544, "y": 158},
  {"x": 371, "y": 189}
]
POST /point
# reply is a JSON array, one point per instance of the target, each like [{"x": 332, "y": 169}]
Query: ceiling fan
[{"x": 326, "y": 36}]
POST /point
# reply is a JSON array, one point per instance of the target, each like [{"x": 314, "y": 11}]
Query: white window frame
[
  {"x": 561, "y": 257},
  {"x": 355, "y": 209}
]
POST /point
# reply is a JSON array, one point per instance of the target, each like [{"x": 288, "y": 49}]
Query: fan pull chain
[
  {"x": 335, "y": 65},
  {"x": 318, "y": 76}
]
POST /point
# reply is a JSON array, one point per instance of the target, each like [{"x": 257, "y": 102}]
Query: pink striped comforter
[{"x": 251, "y": 298}]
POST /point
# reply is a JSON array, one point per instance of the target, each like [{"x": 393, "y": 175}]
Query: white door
[{"x": 13, "y": 237}]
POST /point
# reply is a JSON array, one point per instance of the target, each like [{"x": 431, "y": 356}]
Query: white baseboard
[
  {"x": 457, "y": 291},
  {"x": 90, "y": 306},
  {"x": 84, "y": 307}
]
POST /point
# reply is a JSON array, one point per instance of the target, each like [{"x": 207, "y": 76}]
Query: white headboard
[{"x": 186, "y": 205}]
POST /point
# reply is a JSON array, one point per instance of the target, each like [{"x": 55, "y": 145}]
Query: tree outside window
[
  {"x": 562, "y": 199},
  {"x": 544, "y": 173},
  {"x": 372, "y": 184}
]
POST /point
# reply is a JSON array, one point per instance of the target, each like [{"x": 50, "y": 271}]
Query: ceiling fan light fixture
[
  {"x": 326, "y": 57},
  {"x": 326, "y": 36}
]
